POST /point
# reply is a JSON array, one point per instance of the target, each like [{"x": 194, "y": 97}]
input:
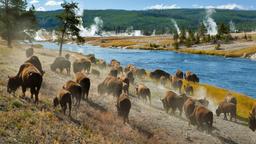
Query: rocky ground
[{"x": 96, "y": 121}]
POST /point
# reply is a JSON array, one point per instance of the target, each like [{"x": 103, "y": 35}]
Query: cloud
[
  {"x": 40, "y": 9},
  {"x": 163, "y": 6},
  {"x": 225, "y": 6},
  {"x": 34, "y": 1},
  {"x": 53, "y": 3}
]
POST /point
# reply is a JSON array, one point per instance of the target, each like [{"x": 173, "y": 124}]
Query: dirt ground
[{"x": 148, "y": 123}]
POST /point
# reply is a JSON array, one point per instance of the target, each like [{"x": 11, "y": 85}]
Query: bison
[
  {"x": 189, "y": 90},
  {"x": 111, "y": 85},
  {"x": 130, "y": 77},
  {"x": 126, "y": 84},
  {"x": 230, "y": 99},
  {"x": 252, "y": 118},
  {"x": 191, "y": 77},
  {"x": 85, "y": 83},
  {"x": 143, "y": 92},
  {"x": 76, "y": 91},
  {"x": 189, "y": 107},
  {"x": 64, "y": 100},
  {"x": 158, "y": 73},
  {"x": 28, "y": 77},
  {"x": 173, "y": 101},
  {"x": 177, "y": 83},
  {"x": 113, "y": 72},
  {"x": 61, "y": 63},
  {"x": 139, "y": 73},
  {"x": 201, "y": 116},
  {"x": 82, "y": 64},
  {"x": 123, "y": 107},
  {"x": 34, "y": 60},
  {"x": 179, "y": 74},
  {"x": 102, "y": 64},
  {"x": 225, "y": 108}
]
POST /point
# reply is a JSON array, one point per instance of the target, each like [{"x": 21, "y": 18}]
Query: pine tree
[
  {"x": 13, "y": 16},
  {"x": 202, "y": 30},
  {"x": 69, "y": 23}
]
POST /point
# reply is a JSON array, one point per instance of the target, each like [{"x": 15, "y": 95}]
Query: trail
[{"x": 148, "y": 123}]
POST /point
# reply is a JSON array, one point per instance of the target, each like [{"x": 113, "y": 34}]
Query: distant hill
[{"x": 159, "y": 20}]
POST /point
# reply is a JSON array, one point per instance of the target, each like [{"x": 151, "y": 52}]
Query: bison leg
[
  {"x": 23, "y": 91},
  {"x": 225, "y": 116},
  {"x": 36, "y": 94},
  {"x": 69, "y": 106},
  {"x": 180, "y": 109},
  {"x": 64, "y": 108},
  {"x": 32, "y": 91}
]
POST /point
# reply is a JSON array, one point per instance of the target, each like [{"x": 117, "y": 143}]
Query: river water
[{"x": 235, "y": 74}]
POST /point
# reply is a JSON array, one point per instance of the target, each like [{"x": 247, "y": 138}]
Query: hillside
[
  {"x": 96, "y": 121},
  {"x": 159, "y": 20}
]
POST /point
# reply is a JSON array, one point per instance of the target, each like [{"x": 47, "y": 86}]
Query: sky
[{"x": 45, "y": 5}]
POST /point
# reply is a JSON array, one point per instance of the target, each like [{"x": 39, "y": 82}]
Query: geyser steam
[
  {"x": 94, "y": 30},
  {"x": 232, "y": 26},
  {"x": 176, "y": 26},
  {"x": 209, "y": 23}
]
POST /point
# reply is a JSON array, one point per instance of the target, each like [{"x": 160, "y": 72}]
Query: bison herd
[{"x": 118, "y": 83}]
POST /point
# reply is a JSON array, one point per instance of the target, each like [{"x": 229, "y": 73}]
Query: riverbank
[
  {"x": 239, "y": 48},
  {"x": 96, "y": 121}
]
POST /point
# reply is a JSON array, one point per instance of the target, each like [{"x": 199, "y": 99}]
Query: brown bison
[
  {"x": 64, "y": 100},
  {"x": 28, "y": 77},
  {"x": 201, "y": 116},
  {"x": 67, "y": 56},
  {"x": 177, "y": 83},
  {"x": 113, "y": 72},
  {"x": 85, "y": 83},
  {"x": 225, "y": 108},
  {"x": 191, "y": 77},
  {"x": 230, "y": 99},
  {"x": 252, "y": 118},
  {"x": 173, "y": 101},
  {"x": 92, "y": 58},
  {"x": 139, "y": 73},
  {"x": 126, "y": 84},
  {"x": 114, "y": 63},
  {"x": 34, "y": 60},
  {"x": 129, "y": 67},
  {"x": 95, "y": 72},
  {"x": 123, "y": 107},
  {"x": 130, "y": 77},
  {"x": 179, "y": 74},
  {"x": 158, "y": 73},
  {"x": 76, "y": 91},
  {"x": 29, "y": 52},
  {"x": 102, "y": 64},
  {"x": 189, "y": 107},
  {"x": 111, "y": 85},
  {"x": 82, "y": 64},
  {"x": 61, "y": 63},
  {"x": 143, "y": 92},
  {"x": 189, "y": 90}
]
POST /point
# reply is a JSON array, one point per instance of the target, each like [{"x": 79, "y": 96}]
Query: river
[{"x": 235, "y": 74}]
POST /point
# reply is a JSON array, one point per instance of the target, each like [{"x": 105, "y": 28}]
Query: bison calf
[
  {"x": 143, "y": 92},
  {"x": 76, "y": 91},
  {"x": 225, "y": 108},
  {"x": 64, "y": 100}
]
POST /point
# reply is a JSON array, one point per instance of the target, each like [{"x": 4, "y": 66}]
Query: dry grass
[
  {"x": 228, "y": 53},
  {"x": 132, "y": 42}
]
